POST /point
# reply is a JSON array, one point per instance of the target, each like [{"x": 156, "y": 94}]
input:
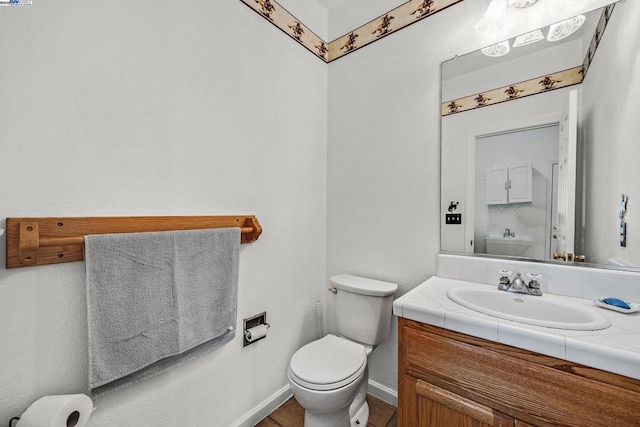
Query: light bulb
[
  {"x": 565, "y": 28},
  {"x": 529, "y": 38},
  {"x": 496, "y": 50}
]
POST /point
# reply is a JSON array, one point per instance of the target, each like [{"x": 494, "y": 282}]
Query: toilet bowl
[
  {"x": 329, "y": 376},
  {"x": 325, "y": 377}
]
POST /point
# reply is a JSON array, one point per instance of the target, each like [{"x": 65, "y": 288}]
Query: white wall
[
  {"x": 384, "y": 159},
  {"x": 160, "y": 108},
  {"x": 610, "y": 112}
]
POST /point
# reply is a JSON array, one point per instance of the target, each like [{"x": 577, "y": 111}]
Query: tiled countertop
[{"x": 615, "y": 349}]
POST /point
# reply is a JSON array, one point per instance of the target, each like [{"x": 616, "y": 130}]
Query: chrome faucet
[
  {"x": 508, "y": 233},
  {"x": 518, "y": 285}
]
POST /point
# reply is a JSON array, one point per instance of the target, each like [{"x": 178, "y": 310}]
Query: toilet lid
[{"x": 328, "y": 363}]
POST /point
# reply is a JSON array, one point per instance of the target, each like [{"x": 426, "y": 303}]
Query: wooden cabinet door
[{"x": 441, "y": 408}]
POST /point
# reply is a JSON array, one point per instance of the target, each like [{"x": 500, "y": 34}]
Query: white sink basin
[
  {"x": 519, "y": 245},
  {"x": 545, "y": 310}
]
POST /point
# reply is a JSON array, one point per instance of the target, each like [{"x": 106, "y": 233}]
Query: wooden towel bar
[{"x": 40, "y": 241}]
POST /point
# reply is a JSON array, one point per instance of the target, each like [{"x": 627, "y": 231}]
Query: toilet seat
[{"x": 328, "y": 363}]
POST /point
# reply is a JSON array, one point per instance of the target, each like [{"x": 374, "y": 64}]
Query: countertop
[{"x": 614, "y": 349}]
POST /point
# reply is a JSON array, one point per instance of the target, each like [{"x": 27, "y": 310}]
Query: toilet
[{"x": 329, "y": 376}]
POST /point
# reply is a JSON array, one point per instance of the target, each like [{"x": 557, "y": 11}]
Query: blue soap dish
[{"x": 617, "y": 304}]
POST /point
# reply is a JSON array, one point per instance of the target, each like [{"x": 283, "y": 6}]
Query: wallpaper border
[
  {"x": 404, "y": 15},
  {"x": 535, "y": 86},
  {"x": 282, "y": 19},
  {"x": 597, "y": 37}
]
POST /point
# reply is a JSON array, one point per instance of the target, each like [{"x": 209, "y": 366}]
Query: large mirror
[{"x": 540, "y": 157}]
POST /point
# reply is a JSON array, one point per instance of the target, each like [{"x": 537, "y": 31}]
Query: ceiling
[{"x": 331, "y": 4}]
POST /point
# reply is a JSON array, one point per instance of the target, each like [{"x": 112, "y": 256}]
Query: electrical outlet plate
[{"x": 453, "y": 218}]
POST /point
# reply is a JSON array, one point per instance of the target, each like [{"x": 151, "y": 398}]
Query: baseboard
[
  {"x": 278, "y": 398},
  {"x": 383, "y": 393},
  {"x": 261, "y": 411}
]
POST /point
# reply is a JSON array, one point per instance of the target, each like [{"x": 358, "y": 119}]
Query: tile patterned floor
[{"x": 291, "y": 414}]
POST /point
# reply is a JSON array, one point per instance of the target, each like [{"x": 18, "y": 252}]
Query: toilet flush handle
[{"x": 333, "y": 290}]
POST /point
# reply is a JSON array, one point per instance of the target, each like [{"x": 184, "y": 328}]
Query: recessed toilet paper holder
[{"x": 253, "y": 322}]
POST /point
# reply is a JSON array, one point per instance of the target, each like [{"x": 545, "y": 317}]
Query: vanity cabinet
[
  {"x": 439, "y": 407},
  {"x": 447, "y": 379}
]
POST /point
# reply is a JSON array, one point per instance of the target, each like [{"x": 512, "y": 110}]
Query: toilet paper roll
[
  {"x": 256, "y": 333},
  {"x": 65, "y": 410}
]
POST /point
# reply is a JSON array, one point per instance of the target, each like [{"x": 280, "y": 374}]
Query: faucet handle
[
  {"x": 535, "y": 280},
  {"x": 505, "y": 279},
  {"x": 506, "y": 273}
]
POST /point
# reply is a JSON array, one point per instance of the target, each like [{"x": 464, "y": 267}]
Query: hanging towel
[{"x": 155, "y": 300}]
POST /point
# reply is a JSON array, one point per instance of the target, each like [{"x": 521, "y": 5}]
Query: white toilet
[{"x": 329, "y": 376}]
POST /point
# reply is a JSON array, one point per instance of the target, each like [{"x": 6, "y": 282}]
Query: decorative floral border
[
  {"x": 392, "y": 21},
  {"x": 285, "y": 21},
  {"x": 597, "y": 36},
  {"x": 542, "y": 84},
  {"x": 396, "y": 19}
]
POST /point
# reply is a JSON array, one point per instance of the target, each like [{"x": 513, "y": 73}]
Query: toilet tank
[{"x": 363, "y": 308}]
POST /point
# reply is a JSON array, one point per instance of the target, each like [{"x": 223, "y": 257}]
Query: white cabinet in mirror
[
  {"x": 508, "y": 185},
  {"x": 572, "y": 204}
]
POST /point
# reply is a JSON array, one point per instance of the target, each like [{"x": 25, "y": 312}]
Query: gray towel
[{"x": 155, "y": 300}]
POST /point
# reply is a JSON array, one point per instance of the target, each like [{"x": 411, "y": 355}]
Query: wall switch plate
[{"x": 453, "y": 218}]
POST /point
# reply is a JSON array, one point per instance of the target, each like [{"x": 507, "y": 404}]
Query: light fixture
[
  {"x": 496, "y": 50},
  {"x": 565, "y": 28},
  {"x": 529, "y": 38},
  {"x": 491, "y": 21},
  {"x": 521, "y": 3}
]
